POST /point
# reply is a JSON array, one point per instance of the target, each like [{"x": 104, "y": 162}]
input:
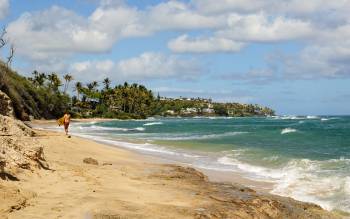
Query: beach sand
[{"x": 128, "y": 185}]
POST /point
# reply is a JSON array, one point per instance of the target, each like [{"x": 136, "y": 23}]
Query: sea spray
[{"x": 288, "y": 130}]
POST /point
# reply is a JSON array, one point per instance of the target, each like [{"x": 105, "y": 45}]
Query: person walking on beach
[{"x": 65, "y": 120}]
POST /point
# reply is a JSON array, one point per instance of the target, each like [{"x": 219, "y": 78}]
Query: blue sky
[{"x": 291, "y": 55}]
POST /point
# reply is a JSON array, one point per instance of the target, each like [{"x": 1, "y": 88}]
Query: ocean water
[{"x": 306, "y": 157}]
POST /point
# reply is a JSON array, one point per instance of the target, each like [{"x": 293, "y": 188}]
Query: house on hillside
[
  {"x": 208, "y": 110},
  {"x": 189, "y": 110}
]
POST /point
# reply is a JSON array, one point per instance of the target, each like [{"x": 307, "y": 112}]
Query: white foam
[
  {"x": 94, "y": 127},
  {"x": 138, "y": 146},
  {"x": 220, "y": 117},
  {"x": 271, "y": 158},
  {"x": 305, "y": 180},
  {"x": 312, "y": 117},
  {"x": 200, "y": 137},
  {"x": 288, "y": 130},
  {"x": 139, "y": 129},
  {"x": 324, "y": 119},
  {"x": 301, "y": 179},
  {"x": 153, "y": 123},
  {"x": 289, "y": 117},
  {"x": 254, "y": 171},
  {"x": 102, "y": 128}
]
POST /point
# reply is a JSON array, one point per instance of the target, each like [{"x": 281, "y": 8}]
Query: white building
[
  {"x": 189, "y": 110},
  {"x": 208, "y": 110},
  {"x": 171, "y": 112}
]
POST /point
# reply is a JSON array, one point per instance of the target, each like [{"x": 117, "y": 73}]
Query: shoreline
[
  {"x": 213, "y": 175},
  {"x": 126, "y": 184}
]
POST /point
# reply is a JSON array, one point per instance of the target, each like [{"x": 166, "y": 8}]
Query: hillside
[
  {"x": 29, "y": 100},
  {"x": 46, "y": 96}
]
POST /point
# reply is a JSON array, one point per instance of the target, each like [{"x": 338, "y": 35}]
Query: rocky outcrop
[
  {"x": 14, "y": 128},
  {"x": 6, "y": 107},
  {"x": 237, "y": 201},
  {"x": 18, "y": 150}
]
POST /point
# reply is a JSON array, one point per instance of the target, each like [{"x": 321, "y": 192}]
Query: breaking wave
[
  {"x": 199, "y": 137},
  {"x": 287, "y": 130},
  {"x": 153, "y": 123}
]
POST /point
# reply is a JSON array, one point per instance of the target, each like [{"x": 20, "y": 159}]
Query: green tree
[
  {"x": 68, "y": 78},
  {"x": 54, "y": 82},
  {"x": 78, "y": 88},
  {"x": 106, "y": 83}
]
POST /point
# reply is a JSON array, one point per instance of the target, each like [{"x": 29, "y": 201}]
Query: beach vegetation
[{"x": 47, "y": 95}]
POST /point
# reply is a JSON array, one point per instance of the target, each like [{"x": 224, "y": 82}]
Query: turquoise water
[{"x": 307, "y": 158}]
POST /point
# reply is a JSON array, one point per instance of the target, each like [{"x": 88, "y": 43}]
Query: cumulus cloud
[
  {"x": 204, "y": 45},
  {"x": 222, "y": 6},
  {"x": 179, "y": 16},
  {"x": 290, "y": 7},
  {"x": 258, "y": 28},
  {"x": 157, "y": 65},
  {"x": 51, "y": 36},
  {"x": 242, "y": 29},
  {"x": 59, "y": 32},
  {"x": 4, "y": 7},
  {"x": 92, "y": 70},
  {"x": 148, "y": 65},
  {"x": 328, "y": 56}
]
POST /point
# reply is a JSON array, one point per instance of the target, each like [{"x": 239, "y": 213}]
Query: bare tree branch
[
  {"x": 2, "y": 37},
  {"x": 10, "y": 57}
]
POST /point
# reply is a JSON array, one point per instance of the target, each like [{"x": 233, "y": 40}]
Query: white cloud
[
  {"x": 222, "y": 6},
  {"x": 156, "y": 65},
  {"x": 92, "y": 70},
  {"x": 204, "y": 45},
  {"x": 328, "y": 56},
  {"x": 4, "y": 7},
  {"x": 244, "y": 29},
  {"x": 50, "y": 37},
  {"x": 261, "y": 28},
  {"x": 58, "y": 32},
  {"x": 81, "y": 66},
  {"x": 148, "y": 65},
  {"x": 178, "y": 16},
  {"x": 290, "y": 7}
]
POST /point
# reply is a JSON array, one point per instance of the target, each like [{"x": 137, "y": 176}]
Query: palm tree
[
  {"x": 90, "y": 87},
  {"x": 68, "y": 78},
  {"x": 38, "y": 78},
  {"x": 35, "y": 74},
  {"x": 107, "y": 83},
  {"x": 94, "y": 84},
  {"x": 55, "y": 82},
  {"x": 92, "y": 91},
  {"x": 78, "y": 88},
  {"x": 41, "y": 79}
]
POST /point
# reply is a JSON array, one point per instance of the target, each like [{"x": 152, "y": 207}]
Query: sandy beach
[{"x": 116, "y": 183}]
